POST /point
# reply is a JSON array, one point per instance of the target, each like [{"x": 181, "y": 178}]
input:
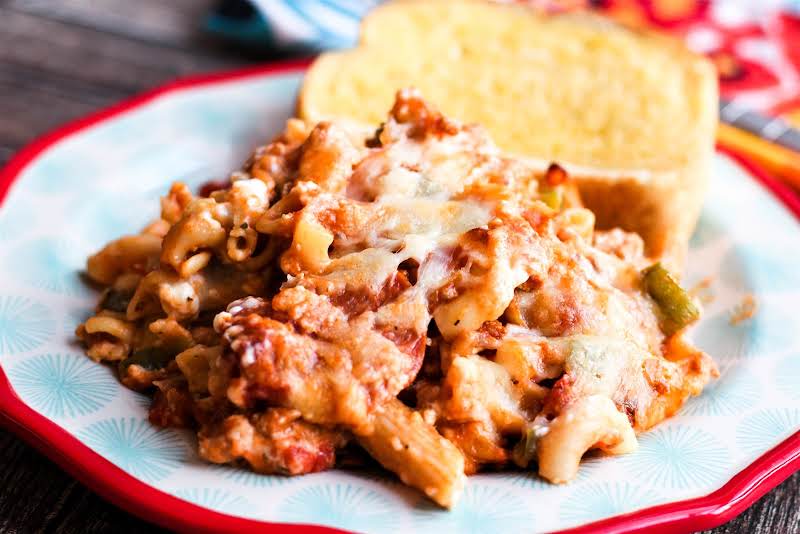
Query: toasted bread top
[
  {"x": 632, "y": 114},
  {"x": 573, "y": 88}
]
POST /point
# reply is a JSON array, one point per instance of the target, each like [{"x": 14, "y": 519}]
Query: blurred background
[{"x": 60, "y": 60}]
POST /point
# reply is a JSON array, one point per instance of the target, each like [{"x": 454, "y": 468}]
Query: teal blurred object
[{"x": 307, "y": 25}]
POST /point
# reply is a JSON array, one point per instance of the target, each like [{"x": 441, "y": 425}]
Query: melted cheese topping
[{"x": 419, "y": 259}]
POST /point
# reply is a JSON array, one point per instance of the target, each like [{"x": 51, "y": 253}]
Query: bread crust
[{"x": 660, "y": 201}]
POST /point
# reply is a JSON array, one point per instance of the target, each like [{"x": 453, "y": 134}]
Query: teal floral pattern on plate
[
  {"x": 736, "y": 390},
  {"x": 342, "y": 505},
  {"x": 377, "y": 475},
  {"x": 771, "y": 329},
  {"x": 50, "y": 264},
  {"x": 529, "y": 478},
  {"x": 246, "y": 477},
  {"x": 788, "y": 379},
  {"x": 677, "y": 457},
  {"x": 772, "y": 424},
  {"x": 63, "y": 385},
  {"x": 74, "y": 317},
  {"x": 136, "y": 446},
  {"x": 482, "y": 508},
  {"x": 216, "y": 499},
  {"x": 715, "y": 334},
  {"x": 25, "y": 324},
  {"x": 604, "y": 499},
  {"x": 105, "y": 182},
  {"x": 776, "y": 326},
  {"x": 142, "y": 399}
]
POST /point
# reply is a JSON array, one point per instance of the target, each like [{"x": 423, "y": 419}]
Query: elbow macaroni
[{"x": 282, "y": 315}]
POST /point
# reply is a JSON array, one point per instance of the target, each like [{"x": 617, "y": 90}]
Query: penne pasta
[{"x": 408, "y": 446}]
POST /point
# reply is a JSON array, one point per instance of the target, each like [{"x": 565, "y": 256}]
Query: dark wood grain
[
  {"x": 61, "y": 60},
  {"x": 36, "y": 496}
]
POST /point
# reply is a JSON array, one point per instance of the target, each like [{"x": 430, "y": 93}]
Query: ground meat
[
  {"x": 356, "y": 302},
  {"x": 276, "y": 441},
  {"x": 479, "y": 443},
  {"x": 306, "y": 353},
  {"x": 411, "y": 108},
  {"x": 172, "y": 407},
  {"x": 213, "y": 185}
]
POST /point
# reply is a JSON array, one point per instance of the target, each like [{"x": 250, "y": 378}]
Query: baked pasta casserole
[{"x": 412, "y": 293}]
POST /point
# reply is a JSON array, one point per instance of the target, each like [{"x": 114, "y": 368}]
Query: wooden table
[{"x": 61, "y": 60}]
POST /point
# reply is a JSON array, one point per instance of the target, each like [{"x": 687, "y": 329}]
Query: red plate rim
[{"x": 151, "y": 504}]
